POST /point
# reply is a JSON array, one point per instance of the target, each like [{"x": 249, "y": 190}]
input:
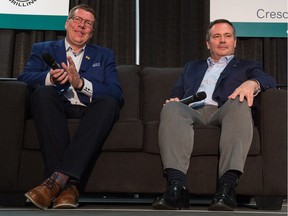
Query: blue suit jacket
[
  {"x": 234, "y": 74},
  {"x": 98, "y": 66}
]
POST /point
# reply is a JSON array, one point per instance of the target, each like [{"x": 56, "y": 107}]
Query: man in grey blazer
[
  {"x": 78, "y": 80},
  {"x": 231, "y": 85}
]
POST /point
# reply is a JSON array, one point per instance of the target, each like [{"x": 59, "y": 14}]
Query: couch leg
[
  {"x": 12, "y": 199},
  {"x": 269, "y": 202},
  {"x": 243, "y": 200}
]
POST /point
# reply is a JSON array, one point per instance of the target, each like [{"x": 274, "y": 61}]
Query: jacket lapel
[
  {"x": 198, "y": 77},
  {"x": 60, "y": 52},
  {"x": 232, "y": 65},
  {"x": 88, "y": 57}
]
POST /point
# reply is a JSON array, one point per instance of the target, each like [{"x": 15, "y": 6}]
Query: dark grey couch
[{"x": 130, "y": 162}]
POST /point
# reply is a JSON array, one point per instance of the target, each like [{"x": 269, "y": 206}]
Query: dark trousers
[{"x": 51, "y": 110}]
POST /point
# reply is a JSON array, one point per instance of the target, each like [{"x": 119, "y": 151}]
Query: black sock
[
  {"x": 177, "y": 176},
  {"x": 231, "y": 176}
]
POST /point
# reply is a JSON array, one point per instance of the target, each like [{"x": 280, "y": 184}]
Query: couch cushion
[
  {"x": 157, "y": 84},
  {"x": 129, "y": 77},
  {"x": 126, "y": 135},
  {"x": 206, "y": 140}
]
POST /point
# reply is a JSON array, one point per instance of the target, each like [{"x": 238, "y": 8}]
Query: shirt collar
[
  {"x": 225, "y": 59},
  {"x": 68, "y": 48}
]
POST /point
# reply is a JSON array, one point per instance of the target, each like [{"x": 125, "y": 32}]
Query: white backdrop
[
  {"x": 259, "y": 18},
  {"x": 34, "y": 14}
]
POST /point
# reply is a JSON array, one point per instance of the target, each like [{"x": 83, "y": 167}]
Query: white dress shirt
[{"x": 210, "y": 79}]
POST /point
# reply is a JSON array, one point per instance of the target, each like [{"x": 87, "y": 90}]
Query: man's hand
[
  {"x": 245, "y": 90},
  {"x": 58, "y": 76},
  {"x": 72, "y": 74},
  {"x": 172, "y": 99}
]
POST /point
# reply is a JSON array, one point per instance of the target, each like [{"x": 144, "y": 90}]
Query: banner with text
[
  {"x": 253, "y": 18},
  {"x": 34, "y": 14}
]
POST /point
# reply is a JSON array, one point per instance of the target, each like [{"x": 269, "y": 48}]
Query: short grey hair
[
  {"x": 208, "y": 34},
  {"x": 84, "y": 7}
]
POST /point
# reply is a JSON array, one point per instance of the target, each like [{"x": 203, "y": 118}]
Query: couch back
[
  {"x": 157, "y": 84},
  {"x": 145, "y": 90},
  {"x": 129, "y": 77}
]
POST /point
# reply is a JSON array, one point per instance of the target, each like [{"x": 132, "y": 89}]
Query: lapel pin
[{"x": 87, "y": 57}]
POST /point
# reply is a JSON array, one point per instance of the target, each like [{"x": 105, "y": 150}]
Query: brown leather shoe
[
  {"x": 68, "y": 198},
  {"x": 43, "y": 195}
]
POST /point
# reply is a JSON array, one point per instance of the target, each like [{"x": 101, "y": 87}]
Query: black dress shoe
[
  {"x": 176, "y": 197},
  {"x": 224, "y": 198}
]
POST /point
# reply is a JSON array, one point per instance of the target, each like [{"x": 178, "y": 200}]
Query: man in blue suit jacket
[
  {"x": 231, "y": 85},
  {"x": 85, "y": 86}
]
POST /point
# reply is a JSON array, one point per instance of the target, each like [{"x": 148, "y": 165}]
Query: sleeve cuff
[
  {"x": 258, "y": 90},
  {"x": 87, "y": 88},
  {"x": 48, "y": 80}
]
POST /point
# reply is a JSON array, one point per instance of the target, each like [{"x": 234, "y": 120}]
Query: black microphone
[
  {"x": 194, "y": 98},
  {"x": 50, "y": 61}
]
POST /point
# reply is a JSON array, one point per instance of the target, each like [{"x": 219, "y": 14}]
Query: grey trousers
[{"x": 176, "y": 134}]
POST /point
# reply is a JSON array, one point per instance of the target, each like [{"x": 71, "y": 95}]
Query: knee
[
  {"x": 238, "y": 107},
  {"x": 107, "y": 102},
  {"x": 237, "y": 104},
  {"x": 43, "y": 93},
  {"x": 170, "y": 109}
]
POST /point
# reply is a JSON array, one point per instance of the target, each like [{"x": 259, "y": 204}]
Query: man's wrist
[
  {"x": 257, "y": 88},
  {"x": 81, "y": 86},
  {"x": 52, "y": 80}
]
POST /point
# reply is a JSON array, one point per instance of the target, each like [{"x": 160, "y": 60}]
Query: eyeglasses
[{"x": 78, "y": 20}]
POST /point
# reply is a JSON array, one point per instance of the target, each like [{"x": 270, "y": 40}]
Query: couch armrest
[
  {"x": 270, "y": 116},
  {"x": 13, "y": 112}
]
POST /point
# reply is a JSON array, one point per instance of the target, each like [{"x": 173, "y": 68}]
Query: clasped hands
[{"x": 67, "y": 74}]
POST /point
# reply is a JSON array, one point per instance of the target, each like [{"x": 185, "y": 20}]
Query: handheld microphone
[
  {"x": 194, "y": 98},
  {"x": 50, "y": 61}
]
